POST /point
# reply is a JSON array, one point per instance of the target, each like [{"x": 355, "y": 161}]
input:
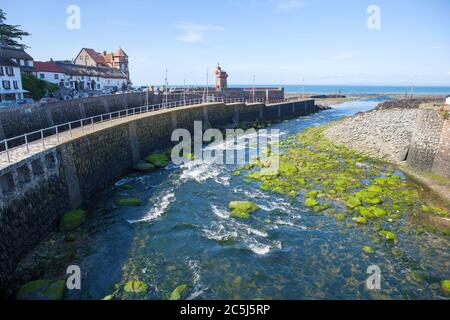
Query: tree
[
  {"x": 11, "y": 35},
  {"x": 38, "y": 88}
]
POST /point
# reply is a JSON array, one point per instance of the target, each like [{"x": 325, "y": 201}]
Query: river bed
[{"x": 183, "y": 234}]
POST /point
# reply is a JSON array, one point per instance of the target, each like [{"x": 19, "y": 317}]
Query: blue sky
[{"x": 278, "y": 41}]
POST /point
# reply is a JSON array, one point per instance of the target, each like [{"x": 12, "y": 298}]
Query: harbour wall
[
  {"x": 36, "y": 192},
  {"x": 419, "y": 137}
]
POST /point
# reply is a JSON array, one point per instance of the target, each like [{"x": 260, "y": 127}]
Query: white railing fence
[{"x": 94, "y": 122}]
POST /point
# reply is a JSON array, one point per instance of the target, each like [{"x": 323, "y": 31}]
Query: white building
[
  {"x": 80, "y": 77},
  {"x": 447, "y": 101},
  {"x": 50, "y": 72},
  {"x": 20, "y": 57},
  {"x": 10, "y": 80},
  {"x": 77, "y": 77}
]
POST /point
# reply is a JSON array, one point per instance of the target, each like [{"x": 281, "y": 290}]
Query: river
[{"x": 184, "y": 235}]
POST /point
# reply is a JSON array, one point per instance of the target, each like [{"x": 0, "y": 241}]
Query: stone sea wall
[
  {"x": 420, "y": 137},
  {"x": 36, "y": 192}
]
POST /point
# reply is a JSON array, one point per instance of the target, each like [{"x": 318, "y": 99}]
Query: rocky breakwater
[
  {"x": 415, "y": 139},
  {"x": 385, "y": 134}
]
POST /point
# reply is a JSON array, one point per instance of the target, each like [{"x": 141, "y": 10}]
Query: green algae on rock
[
  {"x": 73, "y": 219},
  {"x": 178, "y": 292},
  {"x": 445, "y": 285},
  {"x": 373, "y": 191},
  {"x": 242, "y": 209},
  {"x": 136, "y": 287},
  {"x": 42, "y": 290},
  {"x": 129, "y": 202},
  {"x": 388, "y": 235},
  {"x": 159, "y": 160},
  {"x": 127, "y": 187},
  {"x": 368, "y": 249}
]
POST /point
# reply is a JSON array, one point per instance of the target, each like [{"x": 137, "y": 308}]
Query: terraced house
[{"x": 10, "y": 80}]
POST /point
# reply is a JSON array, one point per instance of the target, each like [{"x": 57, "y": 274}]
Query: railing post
[
  {"x": 70, "y": 129},
  {"x": 26, "y": 143},
  {"x": 43, "y": 141},
  {"x": 7, "y": 150},
  {"x": 57, "y": 134}
]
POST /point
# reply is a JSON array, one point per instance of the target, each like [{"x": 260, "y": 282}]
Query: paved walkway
[{"x": 22, "y": 152}]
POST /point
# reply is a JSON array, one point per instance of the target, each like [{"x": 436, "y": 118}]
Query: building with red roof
[
  {"x": 91, "y": 58},
  {"x": 49, "y": 71}
]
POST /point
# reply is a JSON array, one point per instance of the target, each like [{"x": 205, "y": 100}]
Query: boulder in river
[
  {"x": 73, "y": 219},
  {"x": 42, "y": 290}
]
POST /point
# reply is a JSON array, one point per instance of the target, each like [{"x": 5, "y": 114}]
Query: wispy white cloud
[
  {"x": 195, "y": 33},
  {"x": 448, "y": 73},
  {"x": 345, "y": 55},
  {"x": 288, "y": 5}
]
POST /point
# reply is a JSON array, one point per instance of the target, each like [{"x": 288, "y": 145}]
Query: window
[
  {"x": 6, "y": 84},
  {"x": 56, "y": 76},
  {"x": 42, "y": 76},
  {"x": 10, "y": 71},
  {"x": 1, "y": 71},
  {"x": 16, "y": 85}
]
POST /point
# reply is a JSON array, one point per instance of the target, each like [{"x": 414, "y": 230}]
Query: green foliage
[
  {"x": 11, "y": 35},
  {"x": 38, "y": 88}
]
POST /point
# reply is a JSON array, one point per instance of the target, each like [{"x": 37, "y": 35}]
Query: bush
[{"x": 38, "y": 88}]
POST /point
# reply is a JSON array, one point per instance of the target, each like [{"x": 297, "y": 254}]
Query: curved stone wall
[{"x": 37, "y": 191}]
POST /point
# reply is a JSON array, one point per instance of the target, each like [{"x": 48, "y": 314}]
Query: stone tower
[{"x": 221, "y": 79}]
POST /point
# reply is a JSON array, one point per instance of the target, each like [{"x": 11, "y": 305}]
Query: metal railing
[{"x": 88, "y": 124}]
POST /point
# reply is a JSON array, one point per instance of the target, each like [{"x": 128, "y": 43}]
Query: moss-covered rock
[
  {"x": 127, "y": 187},
  {"x": 368, "y": 249},
  {"x": 179, "y": 292},
  {"x": 73, "y": 219},
  {"x": 42, "y": 290},
  {"x": 388, "y": 235},
  {"x": 353, "y": 202},
  {"x": 445, "y": 285},
  {"x": 242, "y": 209},
  {"x": 341, "y": 216},
  {"x": 159, "y": 160},
  {"x": 360, "y": 220},
  {"x": 129, "y": 202},
  {"x": 136, "y": 287},
  {"x": 144, "y": 167},
  {"x": 311, "y": 202}
]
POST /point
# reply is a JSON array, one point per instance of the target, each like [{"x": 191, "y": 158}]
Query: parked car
[
  {"x": 8, "y": 104},
  {"x": 25, "y": 101},
  {"x": 47, "y": 100}
]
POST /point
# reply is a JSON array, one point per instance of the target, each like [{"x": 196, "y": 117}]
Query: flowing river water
[{"x": 183, "y": 234}]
